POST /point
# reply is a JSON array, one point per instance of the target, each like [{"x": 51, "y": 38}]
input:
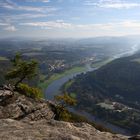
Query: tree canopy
[
  {"x": 20, "y": 73},
  {"x": 21, "y": 70}
]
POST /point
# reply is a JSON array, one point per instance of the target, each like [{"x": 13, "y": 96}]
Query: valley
[
  {"x": 60, "y": 69},
  {"x": 70, "y": 69},
  {"x": 65, "y": 82},
  {"x": 111, "y": 92}
]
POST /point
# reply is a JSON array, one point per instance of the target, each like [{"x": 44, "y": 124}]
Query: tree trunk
[{"x": 19, "y": 81}]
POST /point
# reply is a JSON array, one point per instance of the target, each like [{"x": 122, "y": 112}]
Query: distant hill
[
  {"x": 115, "y": 83},
  {"x": 120, "y": 77}
]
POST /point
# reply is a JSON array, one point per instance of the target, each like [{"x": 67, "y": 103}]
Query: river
[{"x": 54, "y": 89}]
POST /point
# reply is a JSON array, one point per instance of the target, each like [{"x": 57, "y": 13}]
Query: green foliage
[
  {"x": 21, "y": 70},
  {"x": 119, "y": 81},
  {"x": 30, "y": 91},
  {"x": 62, "y": 115},
  {"x": 73, "y": 95},
  {"x": 63, "y": 101}
]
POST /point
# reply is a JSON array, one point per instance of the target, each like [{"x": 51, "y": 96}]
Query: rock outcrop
[
  {"x": 19, "y": 107},
  {"x": 51, "y": 130},
  {"x": 24, "y": 118}
]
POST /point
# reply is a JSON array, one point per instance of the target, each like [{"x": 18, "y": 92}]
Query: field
[
  {"x": 101, "y": 63},
  {"x": 55, "y": 76},
  {"x": 3, "y": 58}
]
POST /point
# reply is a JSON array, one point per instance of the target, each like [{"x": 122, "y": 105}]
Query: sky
[{"x": 69, "y": 18}]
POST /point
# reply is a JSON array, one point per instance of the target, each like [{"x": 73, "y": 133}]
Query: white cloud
[
  {"x": 45, "y": 1},
  {"x": 116, "y": 4},
  {"x": 130, "y": 24},
  {"x": 10, "y": 28},
  {"x": 87, "y": 30},
  {"x": 4, "y": 24},
  {"x": 16, "y": 18},
  {"x": 31, "y": 8},
  {"x": 8, "y": 4},
  {"x": 49, "y": 25},
  {"x": 60, "y": 24}
]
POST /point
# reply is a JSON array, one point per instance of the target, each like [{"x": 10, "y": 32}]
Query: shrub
[
  {"x": 30, "y": 91},
  {"x": 63, "y": 102}
]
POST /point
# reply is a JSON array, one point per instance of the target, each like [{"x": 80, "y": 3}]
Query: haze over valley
[{"x": 70, "y": 70}]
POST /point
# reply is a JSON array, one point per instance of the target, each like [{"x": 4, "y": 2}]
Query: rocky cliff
[
  {"x": 51, "y": 130},
  {"x": 24, "y": 118}
]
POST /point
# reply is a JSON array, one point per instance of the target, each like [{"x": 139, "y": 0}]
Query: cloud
[
  {"x": 17, "y": 17},
  {"x": 49, "y": 25},
  {"x": 61, "y": 28},
  {"x": 8, "y": 4},
  {"x": 10, "y": 28},
  {"x": 130, "y": 24},
  {"x": 4, "y": 24},
  {"x": 60, "y": 24},
  {"x": 45, "y": 1},
  {"x": 114, "y": 4}
]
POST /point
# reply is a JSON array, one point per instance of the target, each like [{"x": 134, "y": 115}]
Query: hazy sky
[{"x": 69, "y": 18}]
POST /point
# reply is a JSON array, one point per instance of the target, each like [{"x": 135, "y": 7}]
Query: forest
[{"x": 111, "y": 92}]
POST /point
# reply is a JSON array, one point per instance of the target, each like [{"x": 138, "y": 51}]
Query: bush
[
  {"x": 63, "y": 101},
  {"x": 30, "y": 91}
]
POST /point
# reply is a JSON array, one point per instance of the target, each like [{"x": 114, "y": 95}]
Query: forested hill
[
  {"x": 119, "y": 77},
  {"x": 111, "y": 92}
]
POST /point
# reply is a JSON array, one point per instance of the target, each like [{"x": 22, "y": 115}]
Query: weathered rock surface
[
  {"x": 20, "y": 107},
  {"x": 23, "y": 118},
  {"x": 51, "y": 130}
]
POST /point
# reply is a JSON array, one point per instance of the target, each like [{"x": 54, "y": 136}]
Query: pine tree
[{"x": 21, "y": 70}]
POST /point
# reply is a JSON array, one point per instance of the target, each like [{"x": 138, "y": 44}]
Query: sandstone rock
[
  {"x": 21, "y": 107},
  {"x": 51, "y": 130},
  {"x": 23, "y": 118}
]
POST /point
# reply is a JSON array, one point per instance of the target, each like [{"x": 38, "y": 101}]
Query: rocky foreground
[
  {"x": 23, "y": 118},
  {"x": 51, "y": 130}
]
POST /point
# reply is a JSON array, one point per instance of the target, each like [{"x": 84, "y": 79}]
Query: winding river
[{"x": 54, "y": 89}]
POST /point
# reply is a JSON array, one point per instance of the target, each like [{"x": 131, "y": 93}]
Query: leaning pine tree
[{"x": 23, "y": 70}]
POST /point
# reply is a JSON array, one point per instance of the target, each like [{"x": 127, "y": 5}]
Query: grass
[
  {"x": 57, "y": 76},
  {"x": 68, "y": 84},
  {"x": 101, "y": 63},
  {"x": 73, "y": 95},
  {"x": 3, "y": 58},
  {"x": 136, "y": 60},
  {"x": 45, "y": 83}
]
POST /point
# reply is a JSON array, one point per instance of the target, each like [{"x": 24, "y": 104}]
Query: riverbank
[
  {"x": 101, "y": 63},
  {"x": 45, "y": 83},
  {"x": 55, "y": 86}
]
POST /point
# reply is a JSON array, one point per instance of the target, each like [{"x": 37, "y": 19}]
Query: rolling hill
[{"x": 112, "y": 92}]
